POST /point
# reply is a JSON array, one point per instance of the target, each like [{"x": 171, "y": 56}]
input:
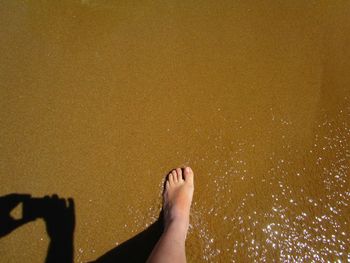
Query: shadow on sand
[
  {"x": 59, "y": 217},
  {"x": 136, "y": 249}
]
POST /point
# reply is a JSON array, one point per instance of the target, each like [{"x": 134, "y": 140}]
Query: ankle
[{"x": 181, "y": 224}]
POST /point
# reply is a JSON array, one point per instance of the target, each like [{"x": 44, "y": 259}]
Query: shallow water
[{"x": 99, "y": 99}]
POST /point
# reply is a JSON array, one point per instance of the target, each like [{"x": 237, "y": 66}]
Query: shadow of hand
[
  {"x": 59, "y": 217},
  {"x": 7, "y": 204}
]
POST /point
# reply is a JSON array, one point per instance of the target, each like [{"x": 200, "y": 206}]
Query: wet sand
[{"x": 100, "y": 99}]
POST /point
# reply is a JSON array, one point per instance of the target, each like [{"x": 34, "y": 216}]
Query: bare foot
[{"x": 177, "y": 197}]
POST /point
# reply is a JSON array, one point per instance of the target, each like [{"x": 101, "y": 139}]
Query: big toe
[{"x": 188, "y": 175}]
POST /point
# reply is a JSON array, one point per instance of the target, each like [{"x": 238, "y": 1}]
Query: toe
[
  {"x": 188, "y": 174},
  {"x": 171, "y": 179},
  {"x": 179, "y": 174},
  {"x": 174, "y": 173}
]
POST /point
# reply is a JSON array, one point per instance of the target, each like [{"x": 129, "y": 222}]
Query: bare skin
[{"x": 177, "y": 199}]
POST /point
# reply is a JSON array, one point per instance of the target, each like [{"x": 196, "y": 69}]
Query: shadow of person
[
  {"x": 59, "y": 217},
  {"x": 138, "y": 248}
]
